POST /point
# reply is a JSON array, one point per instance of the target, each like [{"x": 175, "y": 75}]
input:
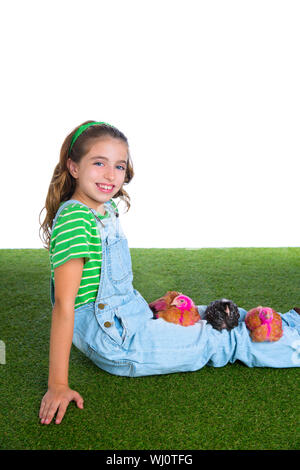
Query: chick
[
  {"x": 264, "y": 324},
  {"x": 174, "y": 307}
]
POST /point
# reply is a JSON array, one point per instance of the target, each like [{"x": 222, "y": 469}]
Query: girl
[{"x": 94, "y": 302}]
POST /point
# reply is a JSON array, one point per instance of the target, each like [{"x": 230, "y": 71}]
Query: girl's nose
[{"x": 109, "y": 173}]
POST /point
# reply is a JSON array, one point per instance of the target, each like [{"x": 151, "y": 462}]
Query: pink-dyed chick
[
  {"x": 174, "y": 307},
  {"x": 264, "y": 324}
]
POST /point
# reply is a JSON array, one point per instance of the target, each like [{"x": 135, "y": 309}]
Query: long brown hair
[{"x": 62, "y": 185}]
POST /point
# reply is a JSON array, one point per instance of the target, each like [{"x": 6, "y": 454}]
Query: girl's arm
[{"x": 67, "y": 279}]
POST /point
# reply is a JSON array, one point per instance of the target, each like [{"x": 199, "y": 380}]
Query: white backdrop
[{"x": 207, "y": 93}]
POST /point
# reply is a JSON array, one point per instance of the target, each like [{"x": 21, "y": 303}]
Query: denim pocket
[
  {"x": 114, "y": 331},
  {"x": 119, "y": 267},
  {"x": 120, "y": 367}
]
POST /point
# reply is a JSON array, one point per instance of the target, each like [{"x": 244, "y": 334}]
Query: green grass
[{"x": 233, "y": 407}]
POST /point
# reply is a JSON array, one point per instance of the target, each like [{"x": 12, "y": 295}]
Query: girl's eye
[
  {"x": 121, "y": 167},
  {"x": 99, "y": 163}
]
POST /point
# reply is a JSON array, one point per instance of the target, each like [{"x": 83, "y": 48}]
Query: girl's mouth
[{"x": 105, "y": 188}]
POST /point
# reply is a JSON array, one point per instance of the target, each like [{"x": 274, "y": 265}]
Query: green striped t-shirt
[{"x": 76, "y": 235}]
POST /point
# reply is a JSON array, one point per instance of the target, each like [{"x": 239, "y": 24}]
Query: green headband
[{"x": 82, "y": 128}]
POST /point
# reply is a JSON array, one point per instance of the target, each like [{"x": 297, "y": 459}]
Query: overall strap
[
  {"x": 61, "y": 208},
  {"x": 110, "y": 207}
]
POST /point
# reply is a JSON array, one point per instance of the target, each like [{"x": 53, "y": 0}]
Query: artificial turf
[{"x": 228, "y": 408}]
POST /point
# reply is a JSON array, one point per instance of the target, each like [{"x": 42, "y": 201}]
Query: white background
[{"x": 207, "y": 92}]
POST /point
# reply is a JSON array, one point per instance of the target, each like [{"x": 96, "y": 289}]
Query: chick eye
[
  {"x": 98, "y": 163},
  {"x": 121, "y": 167}
]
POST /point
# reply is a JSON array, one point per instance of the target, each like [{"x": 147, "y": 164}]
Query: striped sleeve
[{"x": 74, "y": 236}]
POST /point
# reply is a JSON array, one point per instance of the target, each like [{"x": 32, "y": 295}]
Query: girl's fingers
[
  {"x": 78, "y": 399},
  {"x": 64, "y": 405},
  {"x": 49, "y": 413},
  {"x": 41, "y": 409},
  {"x": 43, "y": 412},
  {"x": 61, "y": 411},
  {"x": 49, "y": 407}
]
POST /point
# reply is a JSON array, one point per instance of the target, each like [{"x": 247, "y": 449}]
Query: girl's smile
[
  {"x": 104, "y": 188},
  {"x": 100, "y": 173}
]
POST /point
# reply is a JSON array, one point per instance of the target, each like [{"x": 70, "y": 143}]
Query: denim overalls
[{"x": 118, "y": 332}]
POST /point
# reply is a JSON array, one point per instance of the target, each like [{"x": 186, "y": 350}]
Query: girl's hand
[{"x": 57, "y": 399}]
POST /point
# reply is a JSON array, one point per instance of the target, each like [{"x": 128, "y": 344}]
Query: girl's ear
[{"x": 73, "y": 168}]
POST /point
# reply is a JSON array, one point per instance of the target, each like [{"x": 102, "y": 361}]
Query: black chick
[{"x": 222, "y": 314}]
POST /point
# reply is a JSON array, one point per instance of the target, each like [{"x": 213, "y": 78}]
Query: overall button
[
  {"x": 107, "y": 324},
  {"x": 101, "y": 306}
]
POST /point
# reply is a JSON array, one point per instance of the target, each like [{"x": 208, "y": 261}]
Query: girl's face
[{"x": 100, "y": 173}]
